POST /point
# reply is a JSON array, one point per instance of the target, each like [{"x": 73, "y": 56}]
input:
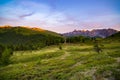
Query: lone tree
[{"x": 97, "y": 46}]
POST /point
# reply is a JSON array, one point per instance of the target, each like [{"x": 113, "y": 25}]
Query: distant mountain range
[{"x": 94, "y": 33}]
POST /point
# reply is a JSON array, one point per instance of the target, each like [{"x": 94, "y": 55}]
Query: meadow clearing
[{"x": 73, "y": 62}]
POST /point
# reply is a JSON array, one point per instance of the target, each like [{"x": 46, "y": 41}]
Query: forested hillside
[
  {"x": 114, "y": 36},
  {"x": 23, "y": 38}
]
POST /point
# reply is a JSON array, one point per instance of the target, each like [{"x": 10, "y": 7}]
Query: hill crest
[{"x": 27, "y": 27}]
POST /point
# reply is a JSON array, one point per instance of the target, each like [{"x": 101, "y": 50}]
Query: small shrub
[{"x": 60, "y": 46}]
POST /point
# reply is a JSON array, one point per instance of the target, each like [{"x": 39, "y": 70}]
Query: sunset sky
[{"x": 61, "y": 15}]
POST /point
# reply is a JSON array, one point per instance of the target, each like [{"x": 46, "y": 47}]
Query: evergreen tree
[{"x": 97, "y": 46}]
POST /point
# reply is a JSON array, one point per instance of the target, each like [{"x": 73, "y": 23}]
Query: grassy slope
[{"x": 74, "y": 62}]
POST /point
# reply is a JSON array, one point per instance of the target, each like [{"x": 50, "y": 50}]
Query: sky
[{"x": 61, "y": 15}]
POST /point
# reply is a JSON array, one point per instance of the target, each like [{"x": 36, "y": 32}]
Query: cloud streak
[{"x": 26, "y": 15}]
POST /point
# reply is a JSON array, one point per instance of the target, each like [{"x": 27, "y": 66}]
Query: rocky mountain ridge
[{"x": 93, "y": 33}]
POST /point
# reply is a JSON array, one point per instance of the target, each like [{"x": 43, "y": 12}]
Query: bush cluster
[{"x": 5, "y": 54}]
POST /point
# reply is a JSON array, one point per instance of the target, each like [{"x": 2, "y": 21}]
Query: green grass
[{"x": 74, "y": 62}]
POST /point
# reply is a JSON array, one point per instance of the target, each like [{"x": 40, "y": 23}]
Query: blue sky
[{"x": 61, "y": 15}]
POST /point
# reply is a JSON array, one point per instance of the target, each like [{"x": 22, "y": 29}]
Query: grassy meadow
[{"x": 73, "y": 62}]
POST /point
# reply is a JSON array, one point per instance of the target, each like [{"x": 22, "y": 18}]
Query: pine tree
[{"x": 97, "y": 46}]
